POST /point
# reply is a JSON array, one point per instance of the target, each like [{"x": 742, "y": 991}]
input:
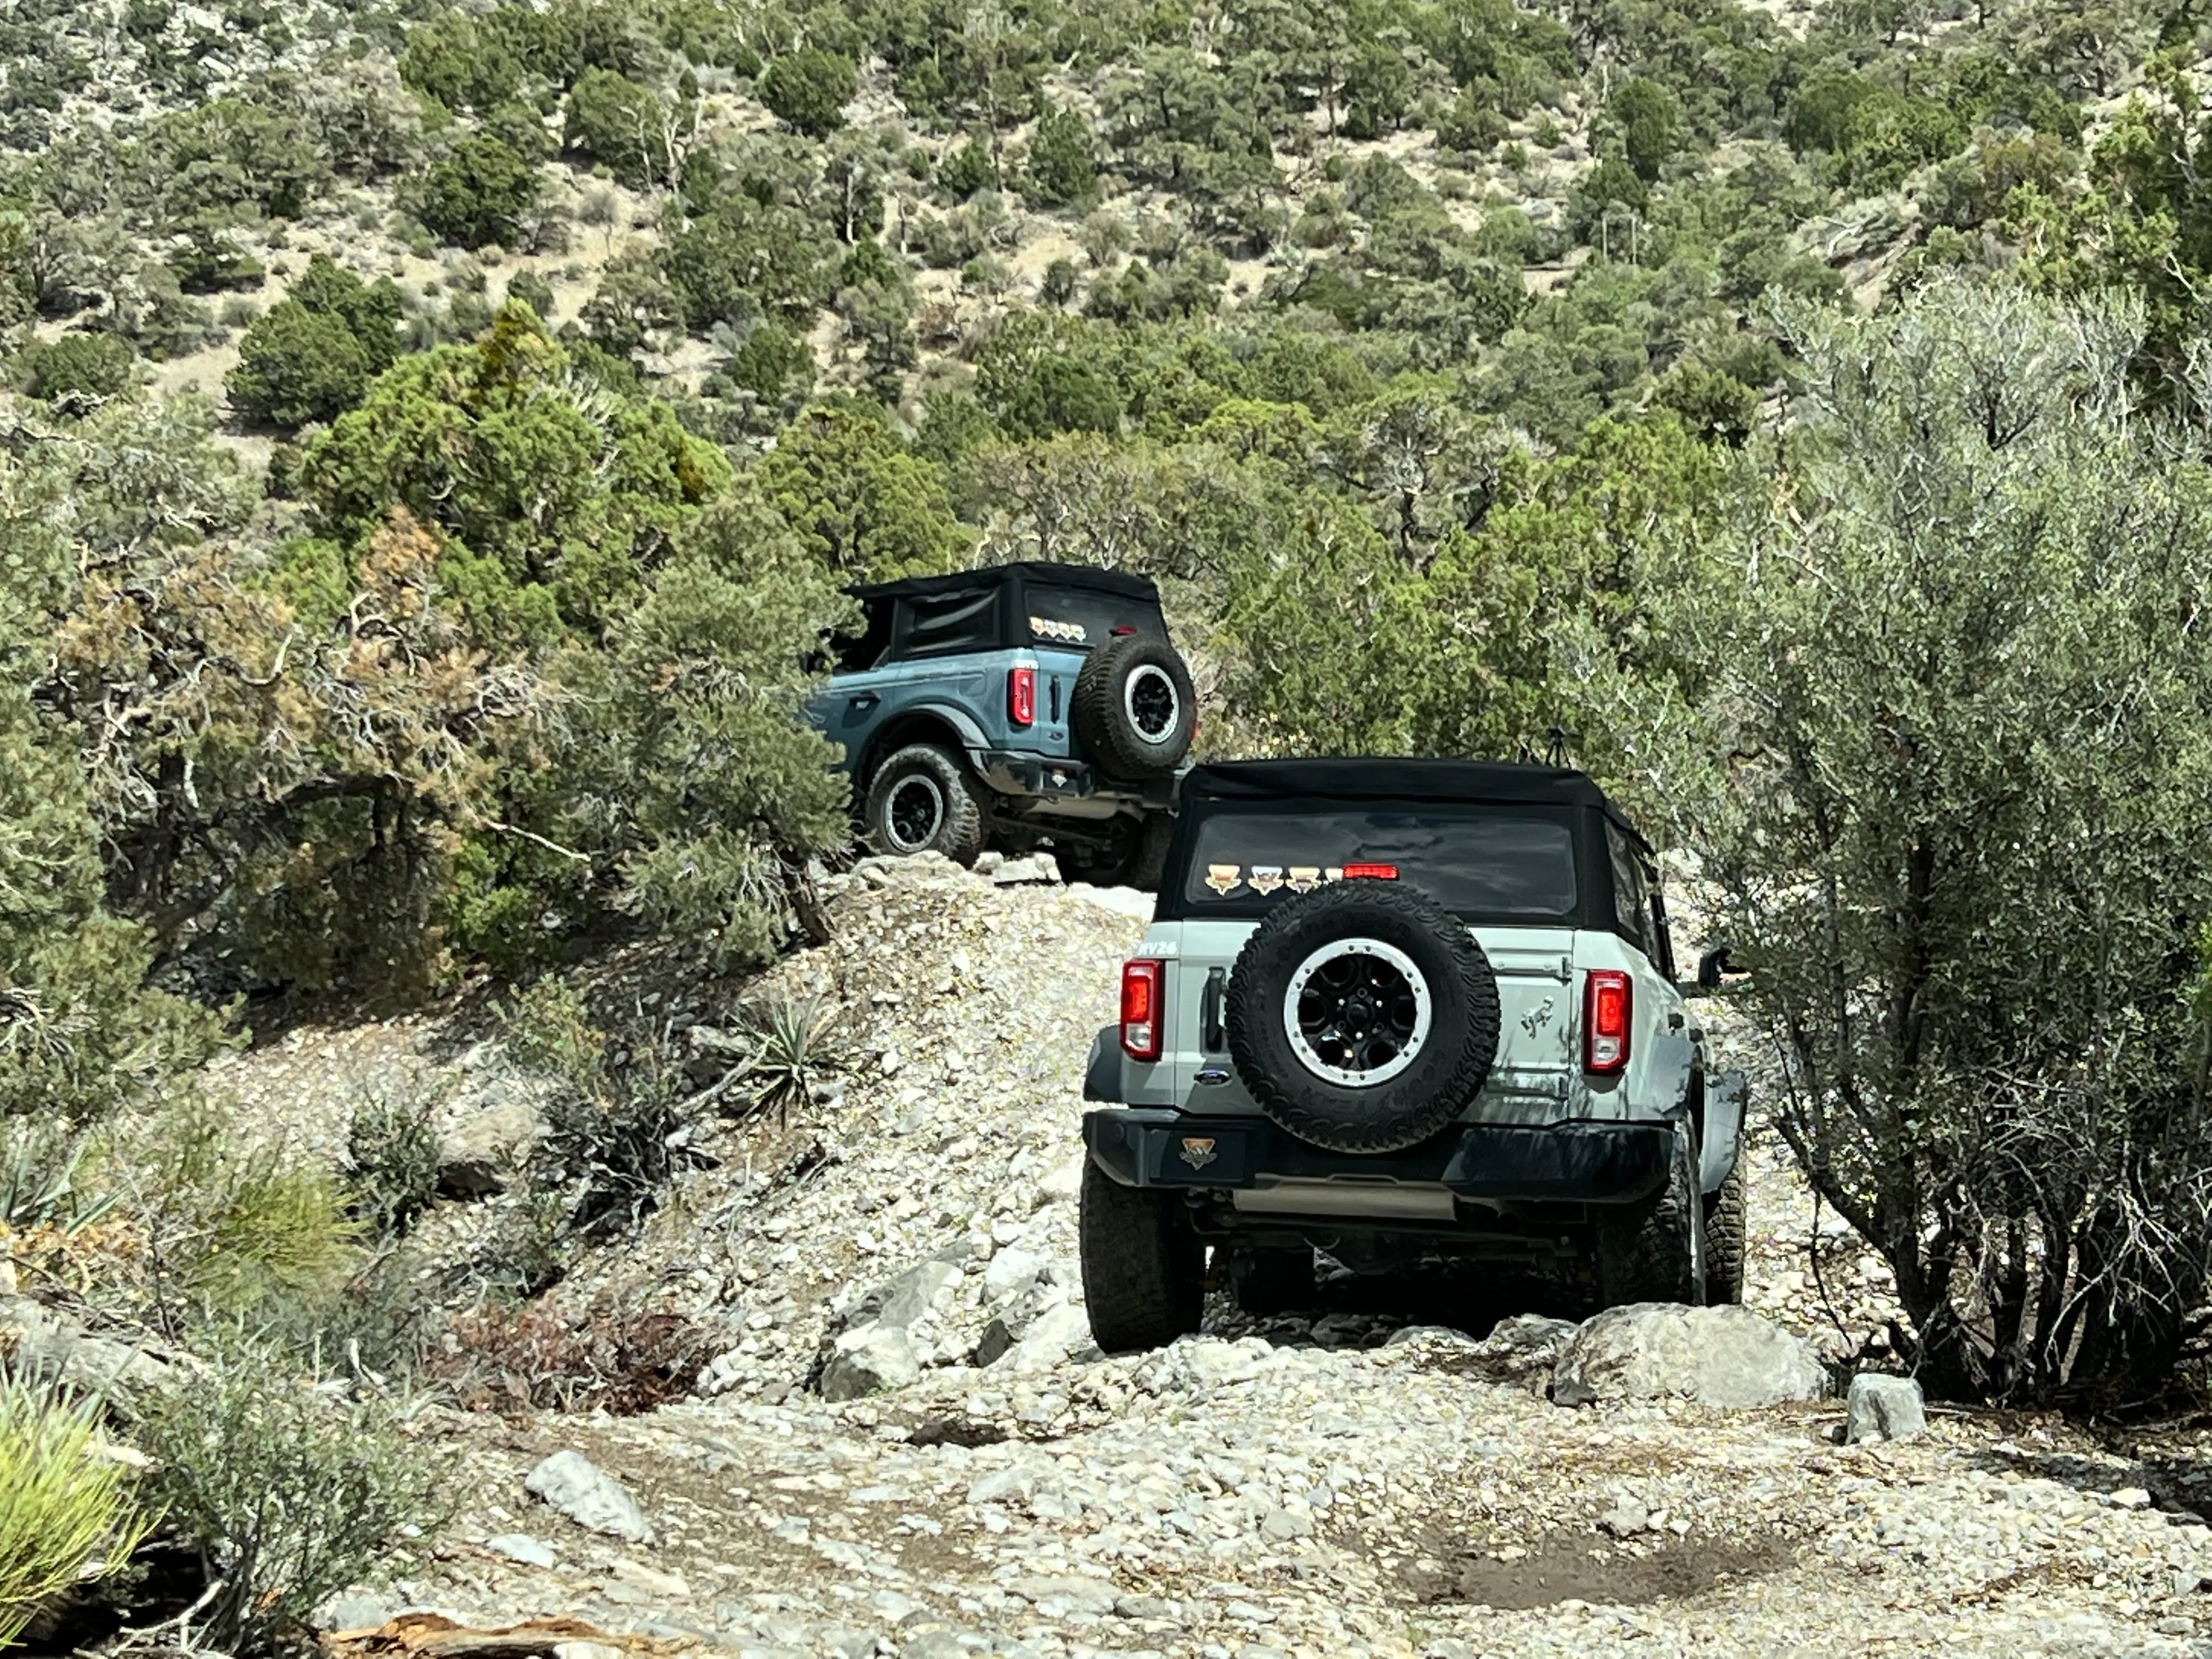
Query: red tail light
[
  {"x": 1140, "y": 1008},
  {"x": 1608, "y": 1003},
  {"x": 1370, "y": 873},
  {"x": 1021, "y": 696}
]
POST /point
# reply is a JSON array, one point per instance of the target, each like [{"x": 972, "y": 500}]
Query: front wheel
[
  {"x": 1655, "y": 1251},
  {"x": 921, "y": 800},
  {"x": 1144, "y": 1268}
]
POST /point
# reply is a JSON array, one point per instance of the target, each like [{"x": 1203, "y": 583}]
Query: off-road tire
[
  {"x": 1727, "y": 1234},
  {"x": 1110, "y": 702},
  {"x": 1137, "y": 858},
  {"x": 1444, "y": 1073},
  {"x": 1144, "y": 1266},
  {"x": 1272, "y": 1281},
  {"x": 925, "y": 770},
  {"x": 1655, "y": 1250}
]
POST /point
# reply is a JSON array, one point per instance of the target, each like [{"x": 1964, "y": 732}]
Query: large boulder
[{"x": 1725, "y": 1356}]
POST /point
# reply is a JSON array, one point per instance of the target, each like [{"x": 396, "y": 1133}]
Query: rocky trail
[{"x": 891, "y": 1436}]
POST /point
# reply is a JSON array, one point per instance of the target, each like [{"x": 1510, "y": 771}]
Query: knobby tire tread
[{"x": 1144, "y": 1268}]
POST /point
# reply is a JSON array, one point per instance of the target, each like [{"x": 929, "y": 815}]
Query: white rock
[
  {"x": 1064, "y": 1182},
  {"x": 921, "y": 1289},
  {"x": 1885, "y": 1408},
  {"x": 871, "y": 1359},
  {"x": 1010, "y": 1272},
  {"x": 521, "y": 1546},
  {"x": 568, "y": 1482},
  {"x": 1053, "y": 1335},
  {"x": 1725, "y": 1356}
]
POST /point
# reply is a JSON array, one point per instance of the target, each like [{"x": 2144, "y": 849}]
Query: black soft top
[
  {"x": 1019, "y": 571},
  {"x": 1478, "y": 783}
]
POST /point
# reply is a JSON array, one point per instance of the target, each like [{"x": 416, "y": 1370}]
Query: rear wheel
[
  {"x": 1727, "y": 1235},
  {"x": 921, "y": 800},
  {"x": 1144, "y": 1268},
  {"x": 1655, "y": 1250}
]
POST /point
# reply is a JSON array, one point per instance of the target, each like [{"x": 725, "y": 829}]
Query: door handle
[
  {"x": 860, "y": 702},
  {"x": 1211, "y": 1037}
]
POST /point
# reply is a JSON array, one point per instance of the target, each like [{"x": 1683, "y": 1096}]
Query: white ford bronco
[{"x": 1398, "y": 1010}]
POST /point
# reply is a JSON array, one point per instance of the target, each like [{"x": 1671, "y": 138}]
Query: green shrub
[
  {"x": 295, "y": 366},
  {"x": 66, "y": 1513},
  {"x": 1063, "y": 160},
  {"x": 613, "y": 119},
  {"x": 288, "y": 1492},
  {"x": 966, "y": 170},
  {"x": 395, "y": 1153},
  {"x": 75, "y": 365},
  {"x": 809, "y": 89},
  {"x": 238, "y": 1224},
  {"x": 533, "y": 290},
  {"x": 477, "y": 195}
]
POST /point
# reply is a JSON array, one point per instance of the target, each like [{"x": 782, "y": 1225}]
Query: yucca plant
[
  {"x": 67, "y": 1513},
  {"x": 798, "y": 1041}
]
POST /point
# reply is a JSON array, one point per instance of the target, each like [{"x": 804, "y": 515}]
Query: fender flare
[
  {"x": 895, "y": 733},
  {"x": 1722, "y": 1142}
]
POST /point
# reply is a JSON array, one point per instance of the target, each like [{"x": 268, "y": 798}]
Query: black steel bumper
[
  {"x": 1017, "y": 772},
  {"x": 1584, "y": 1162}
]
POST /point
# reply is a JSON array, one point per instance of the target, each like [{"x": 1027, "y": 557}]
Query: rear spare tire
[
  {"x": 921, "y": 800},
  {"x": 1144, "y": 1265},
  {"x": 1363, "y": 1016},
  {"x": 1133, "y": 708}
]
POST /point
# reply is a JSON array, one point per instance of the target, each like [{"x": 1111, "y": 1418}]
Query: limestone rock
[
  {"x": 1057, "y": 1333},
  {"x": 920, "y": 1290},
  {"x": 1727, "y": 1357},
  {"x": 870, "y": 1359},
  {"x": 1885, "y": 1408},
  {"x": 570, "y": 1483}
]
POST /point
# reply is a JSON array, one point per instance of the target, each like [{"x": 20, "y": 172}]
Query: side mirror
[{"x": 1713, "y": 969}]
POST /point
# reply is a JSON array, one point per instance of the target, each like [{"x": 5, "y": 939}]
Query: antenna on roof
[{"x": 1555, "y": 746}]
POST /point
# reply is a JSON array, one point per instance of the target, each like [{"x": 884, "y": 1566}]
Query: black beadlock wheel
[
  {"x": 1133, "y": 708},
  {"x": 921, "y": 800},
  {"x": 1144, "y": 1265},
  {"x": 1363, "y": 1016},
  {"x": 1655, "y": 1250}
]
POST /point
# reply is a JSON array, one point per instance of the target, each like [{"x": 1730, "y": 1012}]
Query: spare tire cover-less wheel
[
  {"x": 919, "y": 801},
  {"x": 1133, "y": 708},
  {"x": 1363, "y": 1016}
]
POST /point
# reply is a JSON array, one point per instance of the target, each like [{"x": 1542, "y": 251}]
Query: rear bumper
[
  {"x": 1583, "y": 1162},
  {"x": 1049, "y": 778}
]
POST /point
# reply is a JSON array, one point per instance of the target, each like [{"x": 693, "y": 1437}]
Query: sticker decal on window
[
  {"x": 1044, "y": 628},
  {"x": 1222, "y": 878},
  {"x": 1304, "y": 877},
  {"x": 1266, "y": 877}
]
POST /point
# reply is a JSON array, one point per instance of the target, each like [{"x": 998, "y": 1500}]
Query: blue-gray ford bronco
[
  {"x": 1017, "y": 706},
  {"x": 1396, "y": 1010}
]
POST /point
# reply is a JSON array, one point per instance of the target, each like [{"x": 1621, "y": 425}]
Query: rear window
[
  {"x": 1476, "y": 861},
  {"x": 1079, "y": 618}
]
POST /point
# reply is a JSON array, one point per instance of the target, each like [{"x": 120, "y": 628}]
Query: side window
[
  {"x": 1661, "y": 933},
  {"x": 857, "y": 653},
  {"x": 1632, "y": 909}
]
